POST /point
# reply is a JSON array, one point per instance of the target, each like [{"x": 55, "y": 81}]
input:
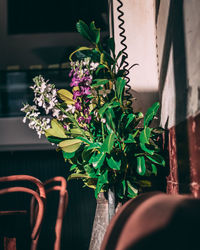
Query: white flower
[
  {"x": 35, "y": 122},
  {"x": 86, "y": 61},
  {"x": 70, "y": 108},
  {"x": 56, "y": 112},
  {"x": 103, "y": 120},
  {"x": 93, "y": 66},
  {"x": 24, "y": 119},
  {"x": 45, "y": 94}
]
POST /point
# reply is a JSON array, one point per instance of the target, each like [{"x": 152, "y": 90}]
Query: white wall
[
  {"x": 15, "y": 135},
  {"x": 180, "y": 98},
  {"x": 139, "y": 17}
]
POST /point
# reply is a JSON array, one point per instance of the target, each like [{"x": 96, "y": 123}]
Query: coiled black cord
[{"x": 126, "y": 64}]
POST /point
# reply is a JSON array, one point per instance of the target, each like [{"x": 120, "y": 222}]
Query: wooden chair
[
  {"x": 58, "y": 185},
  {"x": 155, "y": 221},
  {"x": 16, "y": 184}
]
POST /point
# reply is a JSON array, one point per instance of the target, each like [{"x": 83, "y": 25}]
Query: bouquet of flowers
[{"x": 106, "y": 143}]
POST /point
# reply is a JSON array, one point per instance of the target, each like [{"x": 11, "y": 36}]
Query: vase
[{"x": 105, "y": 209}]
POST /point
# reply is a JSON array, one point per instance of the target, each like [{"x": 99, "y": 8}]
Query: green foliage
[
  {"x": 115, "y": 149},
  {"x": 91, "y": 33},
  {"x": 56, "y": 130}
]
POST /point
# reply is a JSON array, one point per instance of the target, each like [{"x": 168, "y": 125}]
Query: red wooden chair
[
  {"x": 155, "y": 221},
  {"x": 15, "y": 184},
  {"x": 57, "y": 185}
]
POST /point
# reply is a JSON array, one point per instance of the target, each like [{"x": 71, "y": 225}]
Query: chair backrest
[
  {"x": 17, "y": 185},
  {"x": 52, "y": 185},
  {"x": 57, "y": 185},
  {"x": 155, "y": 221},
  {"x": 119, "y": 220}
]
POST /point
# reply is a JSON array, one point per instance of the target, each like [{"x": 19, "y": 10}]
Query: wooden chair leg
[{"x": 9, "y": 243}]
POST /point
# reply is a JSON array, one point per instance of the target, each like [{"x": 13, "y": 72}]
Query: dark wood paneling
[{"x": 184, "y": 174}]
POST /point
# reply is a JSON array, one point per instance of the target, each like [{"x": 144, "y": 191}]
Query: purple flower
[
  {"x": 76, "y": 93},
  {"x": 86, "y": 111},
  {"x": 75, "y": 82},
  {"x": 71, "y": 73},
  {"x": 86, "y": 79},
  {"x": 81, "y": 119},
  {"x": 86, "y": 100},
  {"x": 78, "y": 105},
  {"x": 88, "y": 119},
  {"x": 85, "y": 90}
]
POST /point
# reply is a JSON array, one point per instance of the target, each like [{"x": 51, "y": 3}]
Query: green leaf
[
  {"x": 113, "y": 164},
  {"x": 83, "y": 139},
  {"x": 122, "y": 61},
  {"x": 110, "y": 115},
  {"x": 90, "y": 171},
  {"x": 94, "y": 145},
  {"x": 84, "y": 30},
  {"x": 68, "y": 155},
  {"x": 151, "y": 112},
  {"x": 120, "y": 84},
  {"x": 141, "y": 168},
  {"x": 122, "y": 117},
  {"x": 53, "y": 139},
  {"x": 111, "y": 45},
  {"x": 145, "y": 135},
  {"x": 56, "y": 130},
  {"x": 95, "y": 33},
  {"x": 108, "y": 58},
  {"x": 77, "y": 176},
  {"x": 73, "y": 167},
  {"x": 119, "y": 54},
  {"x": 98, "y": 160},
  {"x": 86, "y": 155},
  {"x": 132, "y": 191},
  {"x": 136, "y": 132},
  {"x": 130, "y": 117},
  {"x": 100, "y": 67},
  {"x": 103, "y": 179},
  {"x": 75, "y": 131},
  {"x": 115, "y": 104},
  {"x": 103, "y": 108},
  {"x": 139, "y": 115},
  {"x": 102, "y": 59},
  {"x": 78, "y": 50},
  {"x": 154, "y": 169},
  {"x": 70, "y": 145},
  {"x": 99, "y": 82},
  {"x": 66, "y": 96},
  {"x": 130, "y": 139},
  {"x": 108, "y": 143},
  {"x": 158, "y": 159},
  {"x": 110, "y": 131},
  {"x": 144, "y": 139},
  {"x": 121, "y": 189}
]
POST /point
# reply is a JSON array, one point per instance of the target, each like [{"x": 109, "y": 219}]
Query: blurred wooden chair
[
  {"x": 55, "y": 209},
  {"x": 16, "y": 184},
  {"x": 156, "y": 221}
]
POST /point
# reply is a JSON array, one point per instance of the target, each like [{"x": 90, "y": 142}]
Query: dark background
[{"x": 40, "y": 16}]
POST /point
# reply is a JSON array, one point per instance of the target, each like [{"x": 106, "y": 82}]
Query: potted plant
[{"x": 109, "y": 146}]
